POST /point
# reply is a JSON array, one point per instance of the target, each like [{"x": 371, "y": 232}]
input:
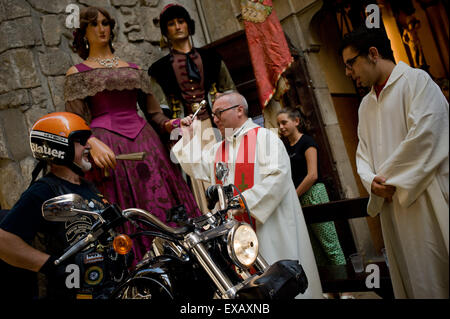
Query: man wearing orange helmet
[{"x": 58, "y": 141}]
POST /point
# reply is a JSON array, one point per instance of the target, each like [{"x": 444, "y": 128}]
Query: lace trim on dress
[{"x": 88, "y": 83}]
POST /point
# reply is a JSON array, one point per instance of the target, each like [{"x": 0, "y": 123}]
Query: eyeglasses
[
  {"x": 349, "y": 63},
  {"x": 218, "y": 114}
]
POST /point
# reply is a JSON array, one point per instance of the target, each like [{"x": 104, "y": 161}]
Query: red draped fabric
[{"x": 267, "y": 44}]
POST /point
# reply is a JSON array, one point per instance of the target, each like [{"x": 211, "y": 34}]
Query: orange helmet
[{"x": 52, "y": 137}]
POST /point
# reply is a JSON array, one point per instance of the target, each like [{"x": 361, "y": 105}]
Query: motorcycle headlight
[{"x": 243, "y": 245}]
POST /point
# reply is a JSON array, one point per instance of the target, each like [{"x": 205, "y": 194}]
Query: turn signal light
[
  {"x": 241, "y": 203},
  {"x": 122, "y": 244}
]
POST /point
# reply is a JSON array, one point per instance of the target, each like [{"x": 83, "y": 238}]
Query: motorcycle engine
[{"x": 101, "y": 270}]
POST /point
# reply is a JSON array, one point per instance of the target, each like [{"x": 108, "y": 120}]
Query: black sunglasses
[{"x": 81, "y": 138}]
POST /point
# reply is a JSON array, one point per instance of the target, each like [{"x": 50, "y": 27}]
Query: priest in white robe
[
  {"x": 272, "y": 200},
  {"x": 402, "y": 159}
]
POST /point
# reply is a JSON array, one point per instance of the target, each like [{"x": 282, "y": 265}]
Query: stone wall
[{"x": 34, "y": 57}]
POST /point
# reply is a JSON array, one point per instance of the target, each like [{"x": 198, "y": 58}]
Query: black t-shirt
[
  {"x": 26, "y": 221},
  {"x": 296, "y": 153}
]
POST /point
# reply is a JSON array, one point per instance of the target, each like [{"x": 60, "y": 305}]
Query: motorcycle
[
  {"x": 213, "y": 256},
  {"x": 102, "y": 256}
]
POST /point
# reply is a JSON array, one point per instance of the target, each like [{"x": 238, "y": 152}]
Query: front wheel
[{"x": 143, "y": 288}]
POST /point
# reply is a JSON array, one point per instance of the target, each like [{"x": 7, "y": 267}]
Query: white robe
[
  {"x": 404, "y": 136},
  {"x": 272, "y": 200}
]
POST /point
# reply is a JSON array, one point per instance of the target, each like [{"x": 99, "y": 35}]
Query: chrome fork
[{"x": 223, "y": 283}]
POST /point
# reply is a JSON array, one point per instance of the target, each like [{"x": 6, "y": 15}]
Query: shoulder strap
[
  {"x": 37, "y": 169},
  {"x": 81, "y": 67},
  {"x": 133, "y": 65}
]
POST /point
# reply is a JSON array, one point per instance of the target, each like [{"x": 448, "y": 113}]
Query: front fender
[
  {"x": 173, "y": 278},
  {"x": 155, "y": 276}
]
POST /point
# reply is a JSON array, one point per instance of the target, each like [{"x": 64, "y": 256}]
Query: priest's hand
[{"x": 379, "y": 188}]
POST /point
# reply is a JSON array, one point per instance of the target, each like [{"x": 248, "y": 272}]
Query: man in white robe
[
  {"x": 272, "y": 200},
  {"x": 402, "y": 159}
]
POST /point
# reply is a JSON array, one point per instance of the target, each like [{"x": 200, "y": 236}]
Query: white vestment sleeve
[
  {"x": 275, "y": 170},
  {"x": 194, "y": 160},
  {"x": 366, "y": 173},
  {"x": 414, "y": 164}
]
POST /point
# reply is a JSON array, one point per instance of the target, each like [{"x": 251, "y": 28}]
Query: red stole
[{"x": 244, "y": 175}]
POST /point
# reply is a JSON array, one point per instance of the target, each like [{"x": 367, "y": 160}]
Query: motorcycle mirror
[
  {"x": 63, "y": 208},
  {"x": 222, "y": 171}
]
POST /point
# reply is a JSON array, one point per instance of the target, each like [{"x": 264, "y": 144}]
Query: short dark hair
[
  {"x": 362, "y": 38},
  {"x": 174, "y": 11}
]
